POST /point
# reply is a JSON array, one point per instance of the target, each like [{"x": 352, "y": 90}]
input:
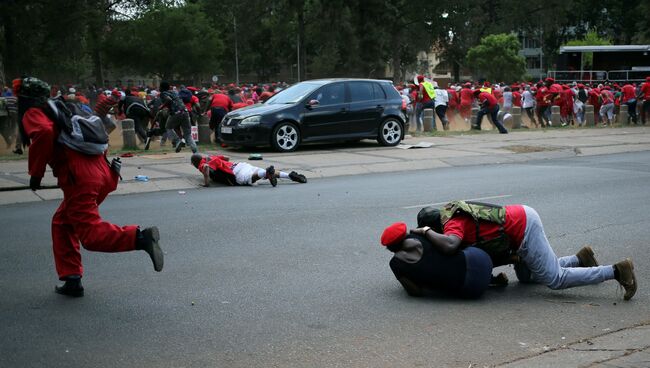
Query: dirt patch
[{"x": 528, "y": 149}]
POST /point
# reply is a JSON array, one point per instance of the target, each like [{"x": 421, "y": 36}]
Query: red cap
[
  {"x": 115, "y": 92},
  {"x": 420, "y": 78},
  {"x": 580, "y": 85},
  {"x": 15, "y": 85},
  {"x": 550, "y": 80},
  {"x": 647, "y": 79},
  {"x": 393, "y": 234}
]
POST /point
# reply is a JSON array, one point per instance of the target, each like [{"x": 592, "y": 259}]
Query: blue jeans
[
  {"x": 545, "y": 268},
  {"x": 494, "y": 114}
]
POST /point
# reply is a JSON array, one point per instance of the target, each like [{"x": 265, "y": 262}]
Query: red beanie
[
  {"x": 420, "y": 78},
  {"x": 393, "y": 234},
  {"x": 15, "y": 85}
]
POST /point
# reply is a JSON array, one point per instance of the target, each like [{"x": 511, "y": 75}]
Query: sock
[
  {"x": 616, "y": 273},
  {"x": 284, "y": 175},
  {"x": 139, "y": 239},
  {"x": 261, "y": 173}
]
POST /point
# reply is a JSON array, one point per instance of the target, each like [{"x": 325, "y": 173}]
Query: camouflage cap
[{"x": 34, "y": 88}]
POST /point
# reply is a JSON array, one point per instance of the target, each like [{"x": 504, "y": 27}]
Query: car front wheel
[
  {"x": 390, "y": 132},
  {"x": 285, "y": 137}
]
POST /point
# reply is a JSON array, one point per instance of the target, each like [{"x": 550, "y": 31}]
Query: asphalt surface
[{"x": 294, "y": 276}]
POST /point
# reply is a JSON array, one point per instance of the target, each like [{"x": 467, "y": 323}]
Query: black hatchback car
[{"x": 320, "y": 110}]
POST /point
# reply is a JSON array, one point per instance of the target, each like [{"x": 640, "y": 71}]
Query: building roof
[{"x": 610, "y": 48}]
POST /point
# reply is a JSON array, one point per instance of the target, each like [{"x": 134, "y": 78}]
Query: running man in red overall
[{"x": 86, "y": 180}]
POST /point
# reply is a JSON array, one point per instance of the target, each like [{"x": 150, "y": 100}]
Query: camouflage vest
[{"x": 498, "y": 248}]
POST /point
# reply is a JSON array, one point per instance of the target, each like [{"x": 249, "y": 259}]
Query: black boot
[
  {"x": 72, "y": 287},
  {"x": 270, "y": 174},
  {"x": 147, "y": 240}
]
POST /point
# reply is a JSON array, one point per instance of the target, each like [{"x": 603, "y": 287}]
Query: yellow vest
[
  {"x": 428, "y": 86},
  {"x": 486, "y": 89}
]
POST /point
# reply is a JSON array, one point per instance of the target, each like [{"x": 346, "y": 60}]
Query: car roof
[{"x": 330, "y": 80}]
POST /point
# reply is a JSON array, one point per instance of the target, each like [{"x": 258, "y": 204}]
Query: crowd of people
[
  {"x": 535, "y": 99},
  {"x": 149, "y": 107}
]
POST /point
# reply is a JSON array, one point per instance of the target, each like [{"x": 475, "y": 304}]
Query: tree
[
  {"x": 497, "y": 57},
  {"x": 170, "y": 42},
  {"x": 591, "y": 39}
]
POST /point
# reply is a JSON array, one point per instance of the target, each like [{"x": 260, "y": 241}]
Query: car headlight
[{"x": 253, "y": 120}]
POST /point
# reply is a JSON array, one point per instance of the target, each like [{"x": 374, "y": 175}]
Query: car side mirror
[{"x": 312, "y": 103}]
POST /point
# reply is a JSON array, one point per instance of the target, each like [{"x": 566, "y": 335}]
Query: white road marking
[{"x": 472, "y": 199}]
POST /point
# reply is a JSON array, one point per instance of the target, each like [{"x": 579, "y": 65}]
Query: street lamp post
[{"x": 234, "y": 21}]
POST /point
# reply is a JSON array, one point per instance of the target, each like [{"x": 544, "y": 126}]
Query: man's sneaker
[
  {"x": 72, "y": 287},
  {"x": 586, "y": 257},
  {"x": 499, "y": 280},
  {"x": 297, "y": 177},
  {"x": 179, "y": 146},
  {"x": 147, "y": 143},
  {"x": 149, "y": 243},
  {"x": 411, "y": 288},
  {"x": 625, "y": 277},
  {"x": 270, "y": 174},
  {"x": 18, "y": 151}
]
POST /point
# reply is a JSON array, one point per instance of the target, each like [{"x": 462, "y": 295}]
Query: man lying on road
[
  {"x": 221, "y": 170},
  {"x": 516, "y": 230}
]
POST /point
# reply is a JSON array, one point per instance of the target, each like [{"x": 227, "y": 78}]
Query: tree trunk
[
  {"x": 396, "y": 57},
  {"x": 301, "y": 40}
]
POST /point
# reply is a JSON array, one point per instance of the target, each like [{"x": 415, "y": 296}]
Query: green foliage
[
  {"x": 590, "y": 39},
  {"x": 497, "y": 58}
]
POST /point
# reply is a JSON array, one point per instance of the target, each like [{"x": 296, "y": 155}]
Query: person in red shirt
[
  {"x": 644, "y": 93},
  {"x": 516, "y": 96},
  {"x": 85, "y": 180},
  {"x": 607, "y": 107},
  {"x": 466, "y": 98},
  {"x": 488, "y": 104},
  {"x": 221, "y": 170},
  {"x": 629, "y": 98},
  {"x": 594, "y": 100},
  {"x": 526, "y": 238},
  {"x": 220, "y": 105},
  {"x": 566, "y": 107},
  {"x": 267, "y": 94},
  {"x": 103, "y": 107},
  {"x": 543, "y": 109}
]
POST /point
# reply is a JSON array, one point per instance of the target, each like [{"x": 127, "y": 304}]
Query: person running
[
  {"x": 517, "y": 230},
  {"x": 179, "y": 117},
  {"x": 221, "y": 170},
  {"x": 134, "y": 107},
  {"x": 489, "y": 105},
  {"x": 85, "y": 180}
]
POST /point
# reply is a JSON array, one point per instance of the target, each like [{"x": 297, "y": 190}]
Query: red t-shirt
[
  {"x": 540, "y": 97},
  {"x": 464, "y": 227},
  {"x": 221, "y": 100},
  {"x": 492, "y": 101},
  {"x": 217, "y": 163},
  {"x": 516, "y": 99},
  {"x": 466, "y": 96},
  {"x": 607, "y": 97},
  {"x": 645, "y": 88},
  {"x": 628, "y": 92}
]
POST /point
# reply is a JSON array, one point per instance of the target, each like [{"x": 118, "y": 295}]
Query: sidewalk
[
  {"x": 629, "y": 348},
  {"x": 172, "y": 171}
]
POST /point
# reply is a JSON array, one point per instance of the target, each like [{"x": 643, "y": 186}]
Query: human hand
[
  {"x": 420, "y": 230},
  {"x": 35, "y": 182}
]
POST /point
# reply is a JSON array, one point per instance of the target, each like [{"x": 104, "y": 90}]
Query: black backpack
[
  {"x": 79, "y": 130},
  {"x": 174, "y": 101},
  {"x": 185, "y": 95}
]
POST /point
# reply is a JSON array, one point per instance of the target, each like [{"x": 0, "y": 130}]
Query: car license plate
[{"x": 226, "y": 130}]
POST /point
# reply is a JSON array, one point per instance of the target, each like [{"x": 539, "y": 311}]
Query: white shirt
[
  {"x": 528, "y": 99},
  {"x": 442, "y": 98}
]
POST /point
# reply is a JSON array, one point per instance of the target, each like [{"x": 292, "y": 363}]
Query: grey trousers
[
  {"x": 545, "y": 268},
  {"x": 182, "y": 121}
]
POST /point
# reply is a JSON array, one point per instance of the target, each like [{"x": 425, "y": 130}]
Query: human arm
[
  {"x": 446, "y": 244},
  {"x": 41, "y": 132},
  {"x": 206, "y": 176}
]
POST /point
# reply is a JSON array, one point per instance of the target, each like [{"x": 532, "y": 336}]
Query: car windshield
[{"x": 292, "y": 94}]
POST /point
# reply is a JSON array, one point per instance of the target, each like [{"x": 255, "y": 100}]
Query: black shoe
[
  {"x": 148, "y": 241},
  {"x": 270, "y": 174},
  {"x": 18, "y": 151},
  {"x": 297, "y": 177},
  {"x": 147, "y": 143},
  {"x": 179, "y": 146},
  {"x": 72, "y": 287}
]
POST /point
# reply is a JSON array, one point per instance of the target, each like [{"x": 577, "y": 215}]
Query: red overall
[{"x": 85, "y": 181}]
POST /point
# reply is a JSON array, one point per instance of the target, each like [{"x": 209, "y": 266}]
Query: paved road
[{"x": 294, "y": 276}]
